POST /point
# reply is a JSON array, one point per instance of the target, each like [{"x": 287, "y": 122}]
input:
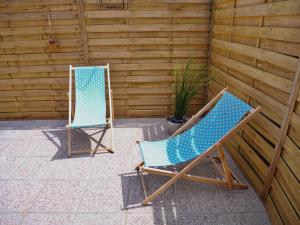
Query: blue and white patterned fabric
[
  {"x": 225, "y": 115},
  {"x": 90, "y": 105}
]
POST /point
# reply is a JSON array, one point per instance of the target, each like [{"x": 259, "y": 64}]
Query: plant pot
[{"x": 173, "y": 124}]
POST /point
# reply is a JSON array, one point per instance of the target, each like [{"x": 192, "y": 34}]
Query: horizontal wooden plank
[
  {"x": 256, "y": 183},
  {"x": 289, "y": 154},
  {"x": 285, "y": 209},
  {"x": 266, "y": 100},
  {"x": 15, "y": 3},
  {"x": 39, "y": 30},
  {"x": 147, "y": 41},
  {"x": 272, "y": 212},
  {"x": 38, "y": 81},
  {"x": 9, "y": 17},
  {"x": 269, "y": 9},
  {"x": 251, "y": 157},
  {"x": 283, "y": 34},
  {"x": 147, "y": 54},
  {"x": 289, "y": 184},
  {"x": 266, "y": 77},
  {"x": 38, "y": 43},
  {"x": 284, "y": 61},
  {"x": 146, "y": 14},
  {"x": 39, "y": 57},
  {"x": 145, "y": 28}
]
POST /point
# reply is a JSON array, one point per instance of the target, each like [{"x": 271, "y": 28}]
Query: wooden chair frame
[
  {"x": 230, "y": 181},
  {"x": 109, "y": 123}
]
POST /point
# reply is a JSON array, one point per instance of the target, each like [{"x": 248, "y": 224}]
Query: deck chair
[
  {"x": 196, "y": 140},
  {"x": 90, "y": 102}
]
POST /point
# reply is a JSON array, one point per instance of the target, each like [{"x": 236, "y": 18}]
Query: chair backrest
[
  {"x": 90, "y": 104},
  {"x": 228, "y": 111},
  {"x": 223, "y": 117}
]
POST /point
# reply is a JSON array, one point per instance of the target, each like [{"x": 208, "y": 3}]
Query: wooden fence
[
  {"x": 255, "y": 52},
  {"x": 142, "y": 44}
]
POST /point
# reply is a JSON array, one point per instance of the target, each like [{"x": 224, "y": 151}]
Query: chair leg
[
  {"x": 140, "y": 174},
  {"x": 69, "y": 141},
  {"x": 139, "y": 165},
  {"x": 225, "y": 166},
  {"x": 111, "y": 138}
]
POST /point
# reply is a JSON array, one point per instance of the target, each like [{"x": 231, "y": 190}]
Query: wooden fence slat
[
  {"x": 281, "y": 60},
  {"x": 275, "y": 33},
  {"x": 283, "y": 132},
  {"x": 269, "y": 9},
  {"x": 145, "y": 28},
  {"x": 266, "y": 77}
]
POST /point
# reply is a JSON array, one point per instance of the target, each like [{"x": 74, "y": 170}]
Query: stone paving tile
[
  {"x": 34, "y": 168},
  {"x": 200, "y": 197},
  {"x": 40, "y": 185},
  {"x": 4, "y": 143},
  {"x": 241, "y": 201},
  {"x": 135, "y": 194},
  {"x": 250, "y": 218},
  {"x": 10, "y": 134},
  {"x": 11, "y": 218},
  {"x": 102, "y": 196},
  {"x": 108, "y": 166},
  {"x": 18, "y": 195},
  {"x": 19, "y": 148},
  {"x": 160, "y": 218},
  {"x": 52, "y": 148},
  {"x": 188, "y": 218},
  {"x": 99, "y": 219},
  {"x": 8, "y": 166},
  {"x": 126, "y": 148},
  {"x": 59, "y": 196},
  {"x": 47, "y": 219},
  {"x": 74, "y": 168}
]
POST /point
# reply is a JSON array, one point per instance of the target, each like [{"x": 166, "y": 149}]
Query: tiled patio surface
[{"x": 40, "y": 185}]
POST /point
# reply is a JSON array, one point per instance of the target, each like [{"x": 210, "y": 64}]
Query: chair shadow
[
  {"x": 133, "y": 195},
  {"x": 185, "y": 202},
  {"x": 155, "y": 132},
  {"x": 162, "y": 208},
  {"x": 80, "y": 140}
]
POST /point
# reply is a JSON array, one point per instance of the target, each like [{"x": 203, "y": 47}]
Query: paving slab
[
  {"x": 11, "y": 218},
  {"x": 18, "y": 195},
  {"x": 59, "y": 196},
  {"x": 39, "y": 184}
]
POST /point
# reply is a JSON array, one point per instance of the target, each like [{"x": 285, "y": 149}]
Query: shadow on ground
[{"x": 187, "y": 202}]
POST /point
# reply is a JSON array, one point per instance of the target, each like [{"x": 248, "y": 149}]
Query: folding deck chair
[
  {"x": 196, "y": 140},
  {"x": 90, "y": 104}
]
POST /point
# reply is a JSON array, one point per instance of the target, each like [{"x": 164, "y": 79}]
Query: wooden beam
[
  {"x": 83, "y": 31},
  {"x": 283, "y": 132},
  {"x": 189, "y": 177},
  {"x": 211, "y": 32}
]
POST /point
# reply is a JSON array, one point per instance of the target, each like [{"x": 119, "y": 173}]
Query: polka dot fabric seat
[
  {"x": 90, "y": 105},
  {"x": 225, "y": 115}
]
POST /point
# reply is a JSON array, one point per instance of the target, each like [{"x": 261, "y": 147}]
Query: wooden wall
[
  {"x": 255, "y": 52},
  {"x": 142, "y": 44}
]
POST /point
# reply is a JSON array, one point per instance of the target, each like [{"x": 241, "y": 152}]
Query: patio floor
[{"x": 40, "y": 185}]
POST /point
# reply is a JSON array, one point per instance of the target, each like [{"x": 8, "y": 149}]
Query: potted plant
[{"x": 188, "y": 81}]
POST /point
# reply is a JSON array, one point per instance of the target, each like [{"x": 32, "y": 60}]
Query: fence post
[{"x": 83, "y": 34}]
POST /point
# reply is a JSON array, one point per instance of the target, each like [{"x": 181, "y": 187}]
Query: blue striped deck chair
[
  {"x": 90, "y": 102},
  {"x": 195, "y": 140}
]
